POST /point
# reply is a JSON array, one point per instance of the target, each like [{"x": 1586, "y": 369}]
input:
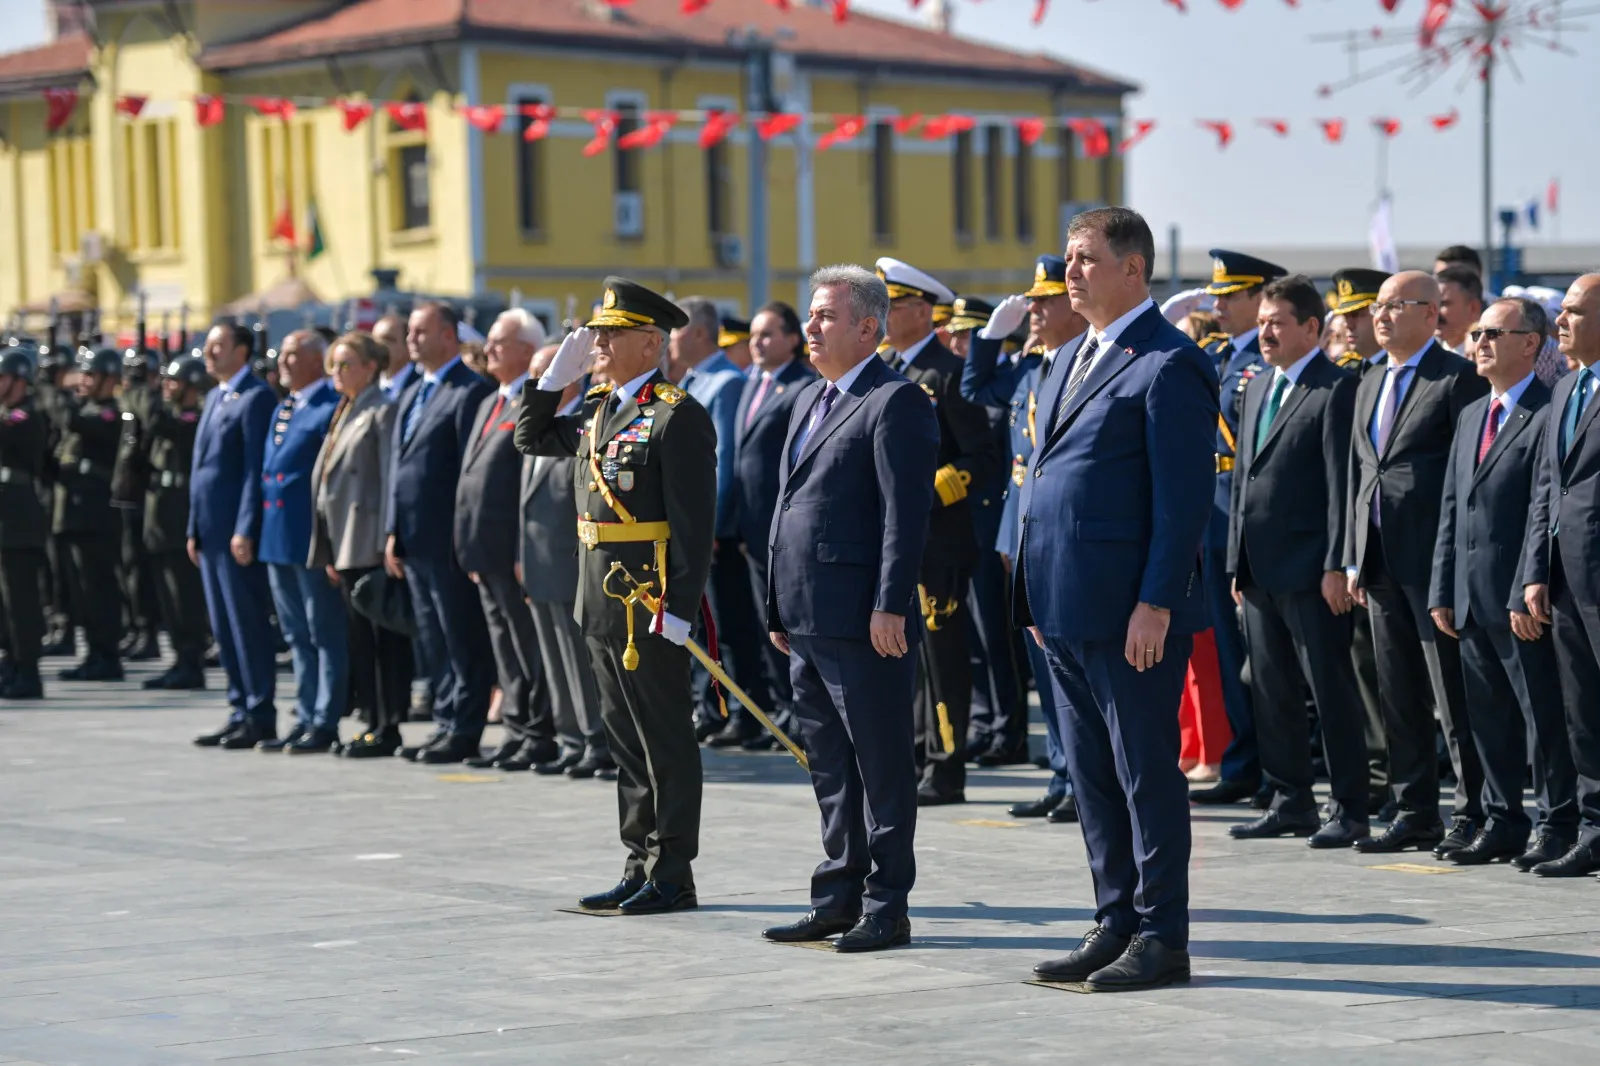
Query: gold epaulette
[
  {"x": 670, "y": 395},
  {"x": 1348, "y": 360},
  {"x": 603, "y": 389},
  {"x": 1213, "y": 338}
]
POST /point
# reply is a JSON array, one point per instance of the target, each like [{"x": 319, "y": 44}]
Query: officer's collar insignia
[
  {"x": 669, "y": 394},
  {"x": 646, "y": 393}
]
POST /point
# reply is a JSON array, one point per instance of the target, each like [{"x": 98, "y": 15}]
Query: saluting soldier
[
  {"x": 1236, "y": 283},
  {"x": 170, "y": 432},
  {"x": 24, "y": 527},
  {"x": 140, "y": 395},
  {"x": 84, "y": 520},
  {"x": 646, "y": 496},
  {"x": 969, "y": 458}
]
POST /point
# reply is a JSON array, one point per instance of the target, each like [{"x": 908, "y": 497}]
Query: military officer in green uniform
[
  {"x": 24, "y": 528},
  {"x": 83, "y": 520},
  {"x": 1355, "y": 290},
  {"x": 169, "y": 434},
  {"x": 140, "y": 396},
  {"x": 646, "y": 494}
]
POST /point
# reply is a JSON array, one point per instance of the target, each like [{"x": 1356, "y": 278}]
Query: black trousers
[
  {"x": 1576, "y": 630},
  {"x": 1514, "y": 702},
  {"x": 1419, "y": 672},
  {"x": 740, "y": 631},
  {"x": 1365, "y": 658},
  {"x": 21, "y": 605},
  {"x": 1295, "y": 640},
  {"x": 649, "y": 719},
  {"x": 381, "y": 666},
  {"x": 774, "y": 664},
  {"x": 139, "y": 582},
  {"x": 95, "y": 603},
  {"x": 62, "y": 579},
  {"x": 181, "y": 599},
  {"x": 999, "y": 705},
  {"x": 525, "y": 708},
  {"x": 944, "y": 689}
]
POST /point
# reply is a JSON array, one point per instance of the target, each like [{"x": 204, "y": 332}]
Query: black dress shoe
[
  {"x": 212, "y": 740},
  {"x": 1263, "y": 798},
  {"x": 1462, "y": 833},
  {"x": 373, "y": 745},
  {"x": 1493, "y": 842},
  {"x": 739, "y": 728},
  {"x": 312, "y": 742},
  {"x": 932, "y": 797},
  {"x": 1387, "y": 812},
  {"x": 1408, "y": 830},
  {"x": 1099, "y": 949},
  {"x": 593, "y": 764},
  {"x": 1003, "y": 754},
  {"x": 1146, "y": 964},
  {"x": 1035, "y": 808},
  {"x": 23, "y": 685},
  {"x": 874, "y": 932},
  {"x": 658, "y": 898},
  {"x": 186, "y": 679},
  {"x": 1580, "y": 859},
  {"x": 248, "y": 735},
  {"x": 1066, "y": 811},
  {"x": 557, "y": 767},
  {"x": 94, "y": 668},
  {"x": 1547, "y": 847},
  {"x": 451, "y": 749},
  {"x": 816, "y": 925},
  {"x": 412, "y": 754},
  {"x": 505, "y": 751},
  {"x": 538, "y": 752},
  {"x": 279, "y": 743},
  {"x": 1339, "y": 832},
  {"x": 157, "y": 682},
  {"x": 1224, "y": 791},
  {"x": 609, "y": 900},
  {"x": 1276, "y": 824}
]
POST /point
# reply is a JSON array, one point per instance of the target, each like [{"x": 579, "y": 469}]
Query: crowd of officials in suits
[{"x": 1397, "y": 578}]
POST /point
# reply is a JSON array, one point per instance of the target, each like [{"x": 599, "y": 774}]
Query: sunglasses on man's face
[{"x": 1492, "y": 333}]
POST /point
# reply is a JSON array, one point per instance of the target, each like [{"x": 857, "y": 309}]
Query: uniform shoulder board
[
  {"x": 1214, "y": 338},
  {"x": 669, "y": 394},
  {"x": 929, "y": 390},
  {"x": 603, "y": 389},
  {"x": 1348, "y": 360}
]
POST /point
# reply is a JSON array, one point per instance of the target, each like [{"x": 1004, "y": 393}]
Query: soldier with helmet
[
  {"x": 83, "y": 520},
  {"x": 24, "y": 528},
  {"x": 139, "y": 398},
  {"x": 49, "y": 397}
]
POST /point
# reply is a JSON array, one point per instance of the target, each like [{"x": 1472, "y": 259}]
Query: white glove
[
  {"x": 572, "y": 360},
  {"x": 1180, "y": 305},
  {"x": 670, "y": 626},
  {"x": 1006, "y": 318}
]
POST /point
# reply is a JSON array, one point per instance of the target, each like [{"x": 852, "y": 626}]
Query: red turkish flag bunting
[
  {"x": 1276, "y": 125},
  {"x": 131, "y": 105},
  {"x": 1092, "y": 136},
  {"x": 1332, "y": 129},
  {"x": 283, "y": 227},
  {"x": 841, "y": 10},
  {"x": 605, "y": 124},
  {"x": 274, "y": 107},
  {"x": 1029, "y": 130},
  {"x": 655, "y": 128},
  {"x": 1039, "y": 8},
  {"x": 538, "y": 116},
  {"x": 208, "y": 109},
  {"x": 1445, "y": 121},
  {"x": 941, "y": 126},
  {"x": 718, "y": 125},
  {"x": 1223, "y": 130},
  {"x": 845, "y": 128},
  {"x": 411, "y": 115},
  {"x": 690, "y": 7},
  {"x": 1433, "y": 20},
  {"x": 777, "y": 125},
  {"x": 1141, "y": 130},
  {"x": 1389, "y": 127},
  {"x": 906, "y": 123},
  {"x": 59, "y": 105},
  {"x": 485, "y": 117},
  {"x": 355, "y": 113}
]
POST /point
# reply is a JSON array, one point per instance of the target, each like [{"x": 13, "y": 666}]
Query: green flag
[{"x": 314, "y": 245}]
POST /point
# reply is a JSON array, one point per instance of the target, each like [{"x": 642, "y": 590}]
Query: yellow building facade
[{"x": 111, "y": 206}]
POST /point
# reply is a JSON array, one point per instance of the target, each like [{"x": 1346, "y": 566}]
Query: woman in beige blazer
[{"x": 351, "y": 480}]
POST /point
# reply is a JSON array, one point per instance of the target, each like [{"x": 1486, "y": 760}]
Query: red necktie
[
  {"x": 494, "y": 416},
  {"x": 1490, "y": 429},
  {"x": 755, "y": 401}
]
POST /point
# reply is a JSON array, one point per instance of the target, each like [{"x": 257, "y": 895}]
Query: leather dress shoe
[
  {"x": 1263, "y": 798},
  {"x": 1147, "y": 963},
  {"x": 1036, "y": 808},
  {"x": 451, "y": 749},
  {"x": 94, "y": 668},
  {"x": 537, "y": 753},
  {"x": 1408, "y": 830},
  {"x": 312, "y": 742},
  {"x": 1580, "y": 859},
  {"x": 412, "y": 754},
  {"x": 1462, "y": 833},
  {"x": 658, "y": 898},
  {"x": 23, "y": 685},
  {"x": 932, "y": 797},
  {"x": 1547, "y": 847},
  {"x": 816, "y": 925},
  {"x": 740, "y": 728},
  {"x": 1492, "y": 842},
  {"x": 505, "y": 751},
  {"x": 1099, "y": 949},
  {"x": 373, "y": 745},
  {"x": 1065, "y": 813},
  {"x": 157, "y": 682},
  {"x": 65, "y": 645},
  {"x": 593, "y": 764},
  {"x": 279, "y": 743},
  {"x": 215, "y": 739},
  {"x": 608, "y": 900},
  {"x": 248, "y": 735},
  {"x": 1224, "y": 791},
  {"x": 874, "y": 932},
  {"x": 1340, "y": 831},
  {"x": 557, "y": 767},
  {"x": 1388, "y": 811},
  {"x": 186, "y": 679},
  {"x": 1277, "y": 823},
  {"x": 1002, "y": 754}
]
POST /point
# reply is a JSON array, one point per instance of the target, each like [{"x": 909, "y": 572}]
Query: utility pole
[
  {"x": 758, "y": 93},
  {"x": 1488, "y": 144}
]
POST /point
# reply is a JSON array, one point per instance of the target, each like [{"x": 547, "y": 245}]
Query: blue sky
[{"x": 1258, "y": 62}]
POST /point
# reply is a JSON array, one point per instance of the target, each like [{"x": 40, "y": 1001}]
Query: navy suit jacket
[
  {"x": 852, "y": 520},
  {"x": 225, "y": 478},
  {"x": 1567, "y": 498},
  {"x": 1116, "y": 498},
  {"x": 760, "y": 452},
  {"x": 1483, "y": 520},
  {"x": 422, "y": 483},
  {"x": 286, "y": 489}
]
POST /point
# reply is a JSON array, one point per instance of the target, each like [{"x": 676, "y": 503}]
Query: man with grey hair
[
  {"x": 310, "y": 610},
  {"x": 847, "y": 543}
]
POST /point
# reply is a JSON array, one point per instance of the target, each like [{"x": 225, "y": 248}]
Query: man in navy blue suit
[
  {"x": 846, "y": 546},
  {"x": 310, "y": 610},
  {"x": 434, "y": 425},
  {"x": 1114, "y": 507},
  {"x": 224, "y": 529}
]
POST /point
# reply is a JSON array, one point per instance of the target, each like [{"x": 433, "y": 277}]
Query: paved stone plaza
[{"x": 164, "y": 905}]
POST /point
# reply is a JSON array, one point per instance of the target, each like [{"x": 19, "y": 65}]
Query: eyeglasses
[
  {"x": 1393, "y": 306},
  {"x": 1492, "y": 333}
]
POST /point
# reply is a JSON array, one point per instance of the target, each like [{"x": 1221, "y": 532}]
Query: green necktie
[{"x": 1280, "y": 385}]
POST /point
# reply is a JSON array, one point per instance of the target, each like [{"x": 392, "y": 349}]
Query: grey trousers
[{"x": 573, "y": 693}]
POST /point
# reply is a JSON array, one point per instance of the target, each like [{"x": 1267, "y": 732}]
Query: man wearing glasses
[{"x": 1405, "y": 421}]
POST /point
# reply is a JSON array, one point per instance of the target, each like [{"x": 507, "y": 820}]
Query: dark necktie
[
  {"x": 1264, "y": 424},
  {"x": 1080, "y": 371},
  {"x": 1491, "y": 429},
  {"x": 1581, "y": 392},
  {"x": 414, "y": 412},
  {"x": 818, "y": 414}
]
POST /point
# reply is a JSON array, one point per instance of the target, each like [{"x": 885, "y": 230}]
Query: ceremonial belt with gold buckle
[
  {"x": 593, "y": 533},
  {"x": 1224, "y": 464},
  {"x": 630, "y": 529}
]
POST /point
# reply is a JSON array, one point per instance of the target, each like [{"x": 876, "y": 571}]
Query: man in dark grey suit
[
  {"x": 1405, "y": 422},
  {"x": 1508, "y": 658},
  {"x": 1286, "y": 558},
  {"x": 486, "y": 546}
]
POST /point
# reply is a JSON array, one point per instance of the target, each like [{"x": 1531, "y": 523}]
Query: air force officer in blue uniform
[
  {"x": 846, "y": 547},
  {"x": 1114, "y": 507}
]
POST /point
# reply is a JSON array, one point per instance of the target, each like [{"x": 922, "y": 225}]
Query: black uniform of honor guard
[
  {"x": 139, "y": 399},
  {"x": 967, "y": 456},
  {"x": 646, "y": 481},
  {"x": 1236, "y": 281},
  {"x": 24, "y": 527}
]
